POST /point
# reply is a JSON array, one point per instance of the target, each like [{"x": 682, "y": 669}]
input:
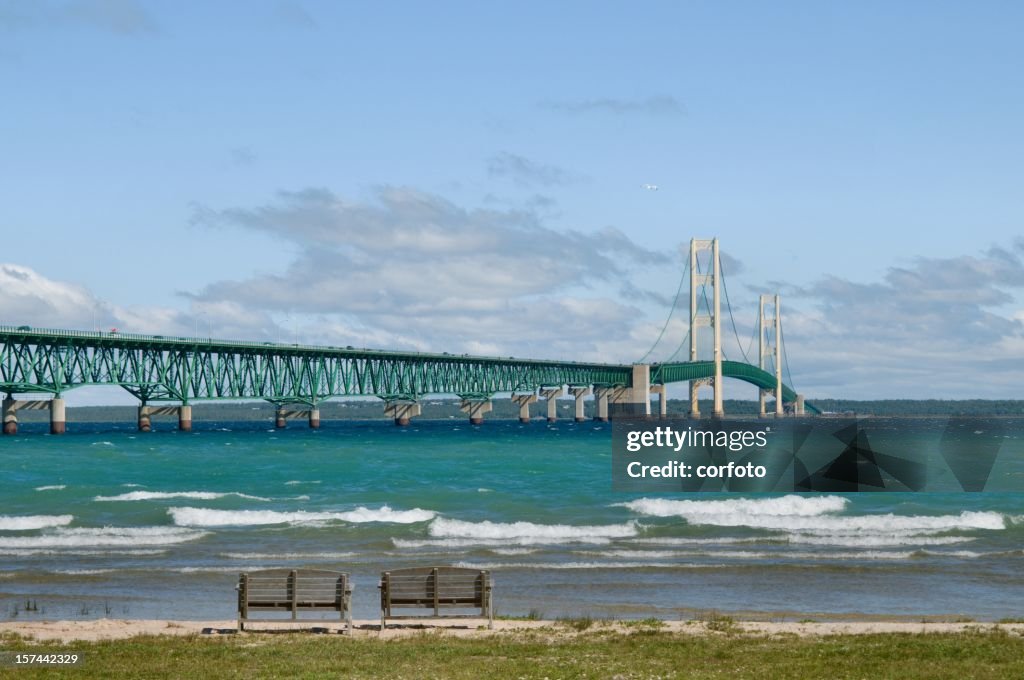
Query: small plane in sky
[{"x": 651, "y": 187}]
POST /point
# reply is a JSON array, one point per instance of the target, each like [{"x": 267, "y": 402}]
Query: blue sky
[{"x": 469, "y": 177}]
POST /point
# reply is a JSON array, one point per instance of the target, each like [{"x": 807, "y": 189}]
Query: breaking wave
[
  {"x": 205, "y": 517},
  {"x": 785, "y": 506},
  {"x": 106, "y": 536},
  {"x": 30, "y": 522},
  {"x": 528, "y": 531},
  {"x": 795, "y": 514},
  {"x": 164, "y": 495}
]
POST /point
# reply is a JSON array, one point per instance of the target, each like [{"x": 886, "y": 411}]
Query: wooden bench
[
  {"x": 436, "y": 588},
  {"x": 292, "y": 591}
]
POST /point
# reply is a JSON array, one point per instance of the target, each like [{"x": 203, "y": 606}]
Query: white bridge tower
[
  {"x": 769, "y": 344},
  {"x": 710, "y": 317}
]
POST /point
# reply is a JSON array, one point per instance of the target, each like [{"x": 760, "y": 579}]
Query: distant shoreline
[{"x": 448, "y": 409}]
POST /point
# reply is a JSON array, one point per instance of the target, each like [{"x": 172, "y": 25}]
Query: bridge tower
[
  {"x": 706, "y": 318},
  {"x": 770, "y": 326}
]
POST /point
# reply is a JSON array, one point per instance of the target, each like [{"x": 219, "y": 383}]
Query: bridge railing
[{"x": 112, "y": 335}]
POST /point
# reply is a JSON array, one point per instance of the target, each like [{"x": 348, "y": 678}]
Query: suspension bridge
[{"x": 168, "y": 374}]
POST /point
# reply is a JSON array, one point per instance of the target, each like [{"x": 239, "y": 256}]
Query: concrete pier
[
  {"x": 640, "y": 394},
  {"x": 662, "y": 400},
  {"x": 475, "y": 409},
  {"x": 144, "y": 420},
  {"x": 601, "y": 395},
  {"x": 185, "y": 418},
  {"x": 402, "y": 410},
  {"x": 10, "y": 416},
  {"x": 58, "y": 419},
  {"x": 580, "y": 393},
  {"x": 282, "y": 415},
  {"x": 12, "y": 406},
  {"x": 523, "y": 401},
  {"x": 147, "y": 413},
  {"x": 551, "y": 394},
  {"x": 800, "y": 405}
]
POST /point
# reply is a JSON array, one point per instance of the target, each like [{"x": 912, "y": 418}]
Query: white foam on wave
[
  {"x": 586, "y": 565},
  {"x": 646, "y": 554},
  {"x": 862, "y": 524},
  {"x": 52, "y": 487},
  {"x": 785, "y": 506},
  {"x": 29, "y": 552},
  {"x": 293, "y": 482},
  {"x": 216, "y": 570},
  {"x": 796, "y": 514},
  {"x": 205, "y": 517},
  {"x": 848, "y": 541},
  {"x": 876, "y": 540},
  {"x": 723, "y": 540},
  {"x": 105, "y": 536},
  {"x": 454, "y": 528},
  {"x": 778, "y": 555},
  {"x": 164, "y": 495},
  {"x": 32, "y": 522},
  {"x": 289, "y": 556},
  {"x": 513, "y": 551},
  {"x": 448, "y": 544}
]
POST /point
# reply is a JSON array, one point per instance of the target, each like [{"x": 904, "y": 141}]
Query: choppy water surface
[{"x": 101, "y": 522}]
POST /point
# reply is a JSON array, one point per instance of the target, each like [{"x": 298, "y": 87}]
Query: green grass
[
  {"x": 550, "y": 652},
  {"x": 644, "y": 624},
  {"x": 578, "y": 623}
]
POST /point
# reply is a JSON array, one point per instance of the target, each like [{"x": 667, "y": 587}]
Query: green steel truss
[
  {"x": 698, "y": 370},
  {"x": 158, "y": 368}
]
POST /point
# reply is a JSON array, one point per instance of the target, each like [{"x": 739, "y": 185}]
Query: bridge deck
[{"x": 155, "y": 367}]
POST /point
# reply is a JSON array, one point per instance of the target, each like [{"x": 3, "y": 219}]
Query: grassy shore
[{"x": 560, "y": 651}]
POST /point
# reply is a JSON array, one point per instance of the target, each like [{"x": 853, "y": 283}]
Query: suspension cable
[
  {"x": 675, "y": 302},
  {"x": 678, "y": 349},
  {"x": 753, "y": 335},
  {"x": 728, "y": 306},
  {"x": 785, "y": 357},
  {"x": 707, "y": 306}
]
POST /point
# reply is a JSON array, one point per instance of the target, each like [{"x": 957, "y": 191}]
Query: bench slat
[
  {"x": 436, "y": 588},
  {"x": 294, "y": 590}
]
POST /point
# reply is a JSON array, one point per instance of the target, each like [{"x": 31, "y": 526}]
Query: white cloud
[
  {"x": 429, "y": 274},
  {"x": 939, "y": 328},
  {"x": 32, "y": 299}
]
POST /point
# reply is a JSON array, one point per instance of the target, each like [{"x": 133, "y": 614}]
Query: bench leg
[{"x": 382, "y": 620}]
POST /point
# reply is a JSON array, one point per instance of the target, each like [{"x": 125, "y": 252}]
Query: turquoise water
[{"x": 110, "y": 522}]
